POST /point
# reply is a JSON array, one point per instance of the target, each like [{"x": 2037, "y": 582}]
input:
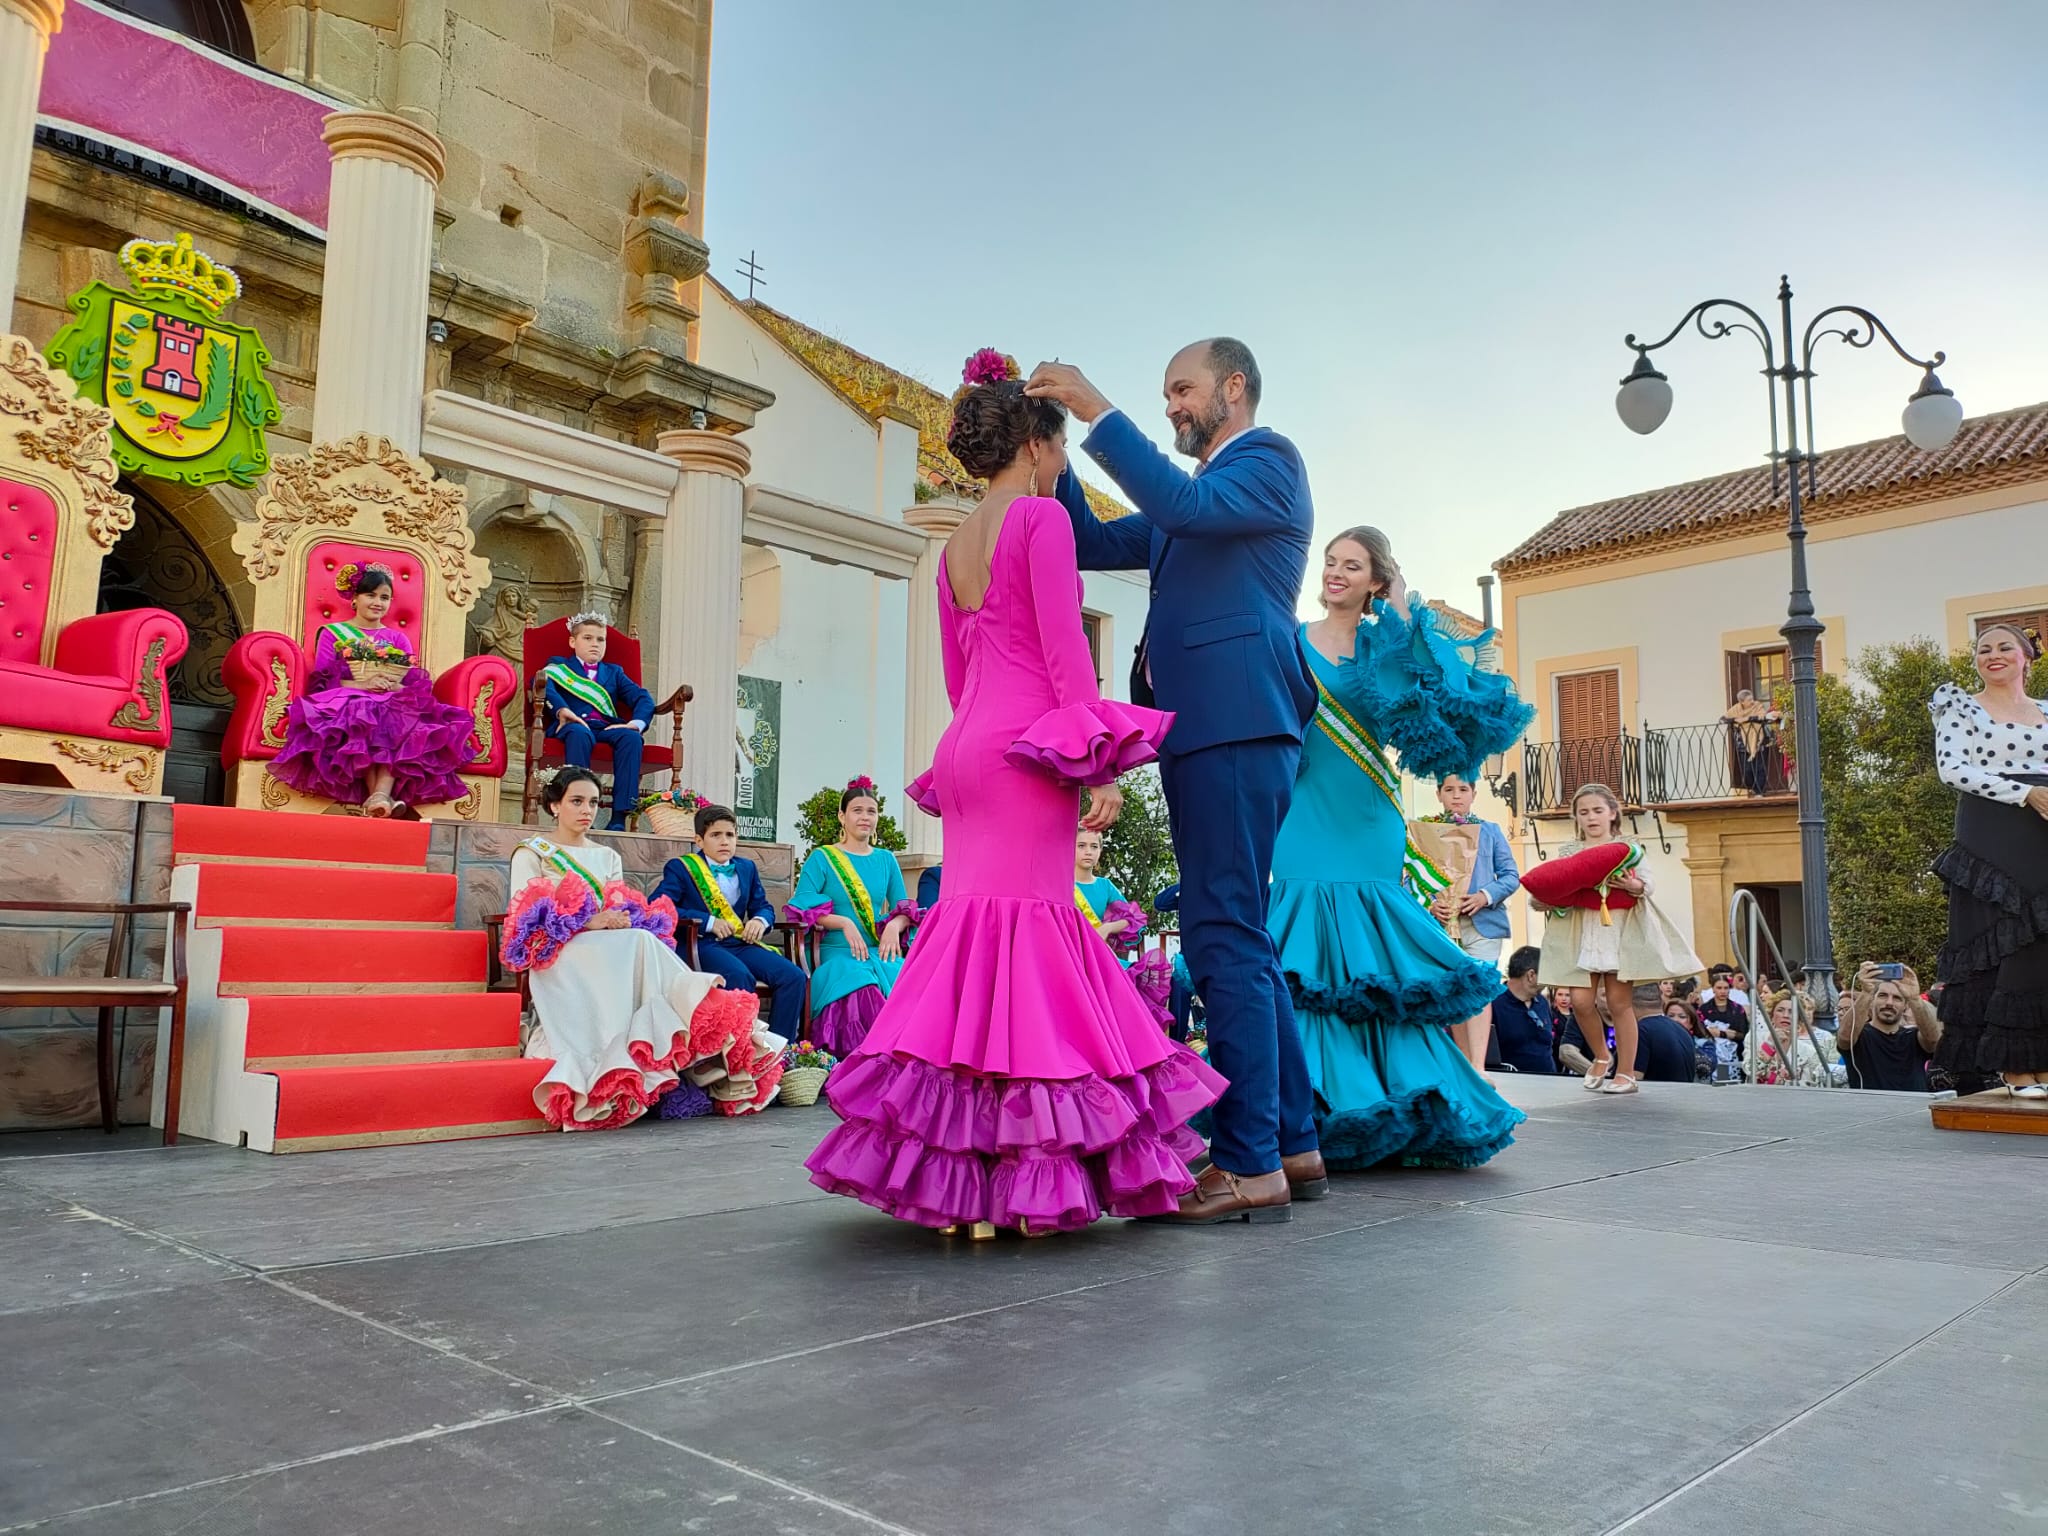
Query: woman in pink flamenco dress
[{"x": 1015, "y": 1077}]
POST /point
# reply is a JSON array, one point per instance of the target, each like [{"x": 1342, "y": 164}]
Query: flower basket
[
  {"x": 802, "y": 1085},
  {"x": 378, "y": 671},
  {"x": 667, "y": 820}
]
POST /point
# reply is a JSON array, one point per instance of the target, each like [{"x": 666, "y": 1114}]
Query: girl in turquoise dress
[
  {"x": 1121, "y": 922},
  {"x": 1375, "y": 980},
  {"x": 854, "y": 892}
]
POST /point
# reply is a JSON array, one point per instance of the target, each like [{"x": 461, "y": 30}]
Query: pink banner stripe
[{"x": 134, "y": 85}]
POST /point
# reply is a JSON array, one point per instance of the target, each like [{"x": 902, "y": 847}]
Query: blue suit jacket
[
  {"x": 1227, "y": 550},
  {"x": 928, "y": 885},
  {"x": 1496, "y": 876},
  {"x": 679, "y": 888},
  {"x": 636, "y": 701}
]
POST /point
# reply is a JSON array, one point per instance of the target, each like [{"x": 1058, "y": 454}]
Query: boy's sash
[
  {"x": 856, "y": 893},
  {"x": 714, "y": 899},
  {"x": 577, "y": 686},
  {"x": 552, "y": 853}
]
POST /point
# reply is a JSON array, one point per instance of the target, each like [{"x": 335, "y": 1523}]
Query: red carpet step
[{"x": 341, "y": 1006}]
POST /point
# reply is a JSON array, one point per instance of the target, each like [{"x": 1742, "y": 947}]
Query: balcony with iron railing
[{"x": 1717, "y": 764}]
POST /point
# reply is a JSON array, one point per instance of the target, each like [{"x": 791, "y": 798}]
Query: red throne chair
[
  {"x": 362, "y": 501},
  {"x": 543, "y": 644},
  {"x": 81, "y": 693}
]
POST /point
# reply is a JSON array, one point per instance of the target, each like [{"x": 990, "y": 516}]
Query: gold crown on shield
[{"x": 174, "y": 267}]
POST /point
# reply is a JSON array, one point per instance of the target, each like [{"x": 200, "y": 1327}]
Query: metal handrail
[{"x": 1747, "y": 932}]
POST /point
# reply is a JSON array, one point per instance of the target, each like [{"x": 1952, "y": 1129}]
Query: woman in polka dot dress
[{"x": 1993, "y": 747}]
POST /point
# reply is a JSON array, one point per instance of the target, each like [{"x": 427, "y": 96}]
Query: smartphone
[{"x": 1892, "y": 972}]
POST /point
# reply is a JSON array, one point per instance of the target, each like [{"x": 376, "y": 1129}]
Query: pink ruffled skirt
[{"x": 1014, "y": 1076}]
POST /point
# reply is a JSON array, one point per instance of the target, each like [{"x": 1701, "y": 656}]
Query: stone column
[
  {"x": 926, "y": 710},
  {"x": 26, "y": 27},
  {"x": 373, "y": 305},
  {"x": 699, "y": 642}
]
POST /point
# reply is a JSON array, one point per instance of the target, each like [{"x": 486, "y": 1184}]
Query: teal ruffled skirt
[{"x": 1375, "y": 982}]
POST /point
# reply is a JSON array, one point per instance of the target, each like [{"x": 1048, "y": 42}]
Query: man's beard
[
  {"x": 1890, "y": 1015},
  {"x": 1196, "y": 438}
]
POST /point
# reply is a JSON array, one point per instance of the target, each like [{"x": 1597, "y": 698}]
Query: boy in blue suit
[
  {"x": 722, "y": 891},
  {"x": 592, "y": 700},
  {"x": 1227, "y": 549}
]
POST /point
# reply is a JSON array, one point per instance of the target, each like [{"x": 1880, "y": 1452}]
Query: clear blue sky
[{"x": 1433, "y": 221}]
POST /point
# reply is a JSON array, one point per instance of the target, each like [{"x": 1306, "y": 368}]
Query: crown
[{"x": 174, "y": 267}]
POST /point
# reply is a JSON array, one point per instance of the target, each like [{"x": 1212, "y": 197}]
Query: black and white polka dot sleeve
[{"x": 1968, "y": 745}]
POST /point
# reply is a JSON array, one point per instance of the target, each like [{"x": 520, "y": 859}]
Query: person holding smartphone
[{"x": 1888, "y": 1031}]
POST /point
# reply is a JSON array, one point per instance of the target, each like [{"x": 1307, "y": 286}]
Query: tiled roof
[
  {"x": 1456, "y": 622},
  {"x": 874, "y": 387},
  {"x": 2007, "y": 446}
]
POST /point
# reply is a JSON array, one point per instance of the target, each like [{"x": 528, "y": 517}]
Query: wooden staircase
[{"x": 334, "y": 1003}]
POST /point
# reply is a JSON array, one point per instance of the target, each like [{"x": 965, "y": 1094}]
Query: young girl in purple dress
[{"x": 381, "y": 742}]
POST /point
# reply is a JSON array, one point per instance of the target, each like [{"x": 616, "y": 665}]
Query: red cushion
[
  {"x": 38, "y": 699},
  {"x": 1573, "y": 880},
  {"x": 544, "y": 642},
  {"x": 324, "y": 604},
  {"x": 28, "y": 544}
]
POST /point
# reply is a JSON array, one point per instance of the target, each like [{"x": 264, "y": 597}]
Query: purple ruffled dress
[
  {"x": 335, "y": 735},
  {"x": 1014, "y": 1074}
]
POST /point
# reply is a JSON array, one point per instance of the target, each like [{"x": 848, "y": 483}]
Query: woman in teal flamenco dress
[
  {"x": 854, "y": 892},
  {"x": 1375, "y": 980}
]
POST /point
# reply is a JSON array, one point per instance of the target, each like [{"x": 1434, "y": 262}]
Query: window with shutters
[
  {"x": 1093, "y": 626},
  {"x": 1589, "y": 744},
  {"x": 2034, "y": 619}
]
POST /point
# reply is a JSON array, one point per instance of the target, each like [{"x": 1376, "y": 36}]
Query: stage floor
[{"x": 1723, "y": 1310}]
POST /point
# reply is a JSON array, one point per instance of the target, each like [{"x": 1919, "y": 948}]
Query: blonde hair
[{"x": 1378, "y": 549}]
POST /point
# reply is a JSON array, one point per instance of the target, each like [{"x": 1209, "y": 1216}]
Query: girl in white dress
[
  {"x": 1581, "y": 951},
  {"x": 622, "y": 1019}
]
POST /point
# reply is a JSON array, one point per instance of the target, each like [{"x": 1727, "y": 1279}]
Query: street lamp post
[{"x": 1931, "y": 419}]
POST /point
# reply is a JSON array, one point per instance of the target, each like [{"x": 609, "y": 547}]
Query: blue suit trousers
[
  {"x": 1226, "y": 803},
  {"x": 577, "y": 743},
  {"x": 742, "y": 964}
]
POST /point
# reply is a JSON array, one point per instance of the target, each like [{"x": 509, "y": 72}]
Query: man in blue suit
[
  {"x": 1227, "y": 548},
  {"x": 723, "y": 892},
  {"x": 592, "y": 700}
]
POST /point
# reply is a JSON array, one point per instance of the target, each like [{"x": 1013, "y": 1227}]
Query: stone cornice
[
  {"x": 697, "y": 450},
  {"x": 381, "y": 136},
  {"x": 835, "y": 535},
  {"x": 46, "y": 16},
  {"x": 936, "y": 519},
  {"x": 458, "y": 429}
]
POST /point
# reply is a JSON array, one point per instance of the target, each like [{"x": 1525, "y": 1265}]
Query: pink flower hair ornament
[
  {"x": 862, "y": 783},
  {"x": 988, "y": 366}
]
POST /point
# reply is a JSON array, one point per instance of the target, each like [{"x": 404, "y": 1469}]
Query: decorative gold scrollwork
[
  {"x": 485, "y": 736},
  {"x": 68, "y": 432},
  {"x": 151, "y": 686},
  {"x": 113, "y": 757},
  {"x": 275, "y": 706},
  {"x": 470, "y": 803},
  {"x": 272, "y": 794}
]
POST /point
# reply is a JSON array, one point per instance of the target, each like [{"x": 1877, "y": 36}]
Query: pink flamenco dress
[
  {"x": 1014, "y": 1075},
  {"x": 335, "y": 735}
]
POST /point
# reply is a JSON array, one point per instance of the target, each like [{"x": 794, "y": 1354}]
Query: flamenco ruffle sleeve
[
  {"x": 1421, "y": 693},
  {"x": 1092, "y": 743}
]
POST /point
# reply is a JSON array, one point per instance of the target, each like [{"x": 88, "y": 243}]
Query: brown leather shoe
[
  {"x": 1219, "y": 1197},
  {"x": 1307, "y": 1179}
]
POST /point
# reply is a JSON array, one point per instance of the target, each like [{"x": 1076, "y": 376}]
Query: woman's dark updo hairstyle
[
  {"x": 862, "y": 788},
  {"x": 551, "y": 792},
  {"x": 994, "y": 422},
  {"x": 370, "y": 579}
]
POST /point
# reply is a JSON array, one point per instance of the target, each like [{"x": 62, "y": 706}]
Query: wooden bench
[{"x": 113, "y": 991}]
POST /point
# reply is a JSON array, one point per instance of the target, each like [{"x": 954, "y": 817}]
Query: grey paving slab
[
  {"x": 551, "y": 1473},
  {"x": 1822, "y": 1195},
  {"x": 40, "y": 1144},
  {"x": 1463, "y": 1371},
  {"x": 110, "y": 1398},
  {"x": 1950, "y": 1437},
  {"x": 53, "y": 1254},
  {"x": 718, "y": 1291}
]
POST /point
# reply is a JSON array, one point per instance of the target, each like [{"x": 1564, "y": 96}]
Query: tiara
[
  {"x": 578, "y": 620},
  {"x": 346, "y": 578},
  {"x": 988, "y": 366}
]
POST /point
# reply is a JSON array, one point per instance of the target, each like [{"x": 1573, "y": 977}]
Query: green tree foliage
[
  {"x": 1137, "y": 853},
  {"x": 818, "y": 819},
  {"x": 1889, "y": 814}
]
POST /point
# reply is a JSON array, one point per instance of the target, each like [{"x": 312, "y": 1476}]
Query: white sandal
[
  {"x": 1624, "y": 1082},
  {"x": 1595, "y": 1079}
]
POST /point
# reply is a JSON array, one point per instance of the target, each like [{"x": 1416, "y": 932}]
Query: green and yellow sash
[
  {"x": 856, "y": 892},
  {"x": 577, "y": 686},
  {"x": 1421, "y": 875},
  {"x": 348, "y": 634},
  {"x": 555, "y": 854},
  {"x": 1087, "y": 907},
  {"x": 1356, "y": 743},
  {"x": 714, "y": 899}
]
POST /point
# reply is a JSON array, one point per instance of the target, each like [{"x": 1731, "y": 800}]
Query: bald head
[{"x": 1212, "y": 393}]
